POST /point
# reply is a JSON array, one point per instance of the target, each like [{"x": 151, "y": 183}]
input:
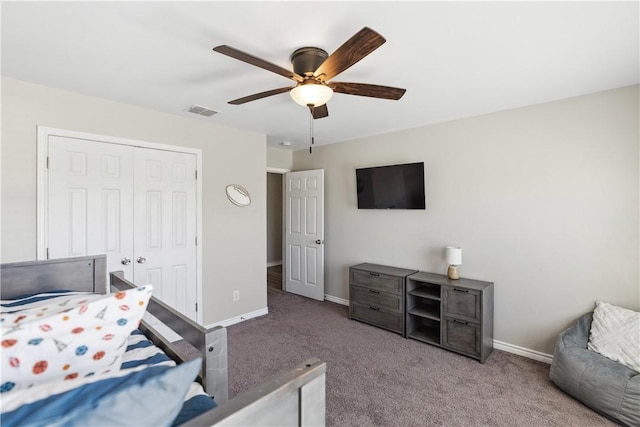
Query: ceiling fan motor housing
[{"x": 306, "y": 60}]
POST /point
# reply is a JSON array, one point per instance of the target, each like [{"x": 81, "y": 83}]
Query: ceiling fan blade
[
  {"x": 362, "y": 89},
  {"x": 320, "y": 112},
  {"x": 353, "y": 50},
  {"x": 253, "y": 60},
  {"x": 260, "y": 95}
]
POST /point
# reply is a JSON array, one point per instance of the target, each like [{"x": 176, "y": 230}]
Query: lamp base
[{"x": 452, "y": 272}]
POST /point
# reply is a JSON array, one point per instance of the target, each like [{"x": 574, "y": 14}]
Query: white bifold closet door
[{"x": 136, "y": 205}]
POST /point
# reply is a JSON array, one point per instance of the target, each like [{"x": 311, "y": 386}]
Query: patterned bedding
[{"x": 145, "y": 387}]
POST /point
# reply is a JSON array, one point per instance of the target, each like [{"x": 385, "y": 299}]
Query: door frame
[{"x": 42, "y": 184}]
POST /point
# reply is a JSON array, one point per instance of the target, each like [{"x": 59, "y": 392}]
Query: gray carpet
[{"x": 375, "y": 377}]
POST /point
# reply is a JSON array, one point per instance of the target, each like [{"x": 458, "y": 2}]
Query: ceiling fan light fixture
[{"x": 311, "y": 92}]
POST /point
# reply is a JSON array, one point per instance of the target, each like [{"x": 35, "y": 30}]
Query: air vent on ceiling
[{"x": 203, "y": 111}]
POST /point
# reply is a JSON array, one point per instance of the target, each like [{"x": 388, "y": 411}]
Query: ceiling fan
[{"x": 313, "y": 69}]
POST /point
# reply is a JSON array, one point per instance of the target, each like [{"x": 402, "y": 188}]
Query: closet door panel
[
  {"x": 90, "y": 200},
  {"x": 165, "y": 226}
]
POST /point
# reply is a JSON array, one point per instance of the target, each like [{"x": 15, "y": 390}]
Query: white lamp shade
[
  {"x": 311, "y": 92},
  {"x": 453, "y": 255}
]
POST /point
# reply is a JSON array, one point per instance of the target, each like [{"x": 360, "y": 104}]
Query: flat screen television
[{"x": 391, "y": 187}]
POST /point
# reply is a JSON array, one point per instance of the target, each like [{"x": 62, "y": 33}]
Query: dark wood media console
[{"x": 453, "y": 314}]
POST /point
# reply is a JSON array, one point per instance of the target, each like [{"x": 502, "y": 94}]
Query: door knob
[
  {"x": 141, "y": 260},
  {"x": 125, "y": 261},
  {"x": 318, "y": 242}
]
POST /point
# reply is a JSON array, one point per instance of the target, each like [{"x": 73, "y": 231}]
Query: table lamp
[{"x": 453, "y": 256}]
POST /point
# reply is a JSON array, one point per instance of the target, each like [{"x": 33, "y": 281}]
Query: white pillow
[
  {"x": 72, "y": 337},
  {"x": 615, "y": 334}
]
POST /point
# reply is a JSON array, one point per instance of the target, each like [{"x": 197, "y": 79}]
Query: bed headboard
[{"x": 86, "y": 273}]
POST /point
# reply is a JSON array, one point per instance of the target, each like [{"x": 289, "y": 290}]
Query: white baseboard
[
  {"x": 241, "y": 318},
  {"x": 524, "y": 352},
  {"x": 498, "y": 345},
  {"x": 337, "y": 300},
  {"x": 273, "y": 263}
]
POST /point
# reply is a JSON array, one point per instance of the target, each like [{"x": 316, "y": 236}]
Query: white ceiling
[{"x": 456, "y": 59}]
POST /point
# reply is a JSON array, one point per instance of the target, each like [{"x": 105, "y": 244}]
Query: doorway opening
[{"x": 275, "y": 222}]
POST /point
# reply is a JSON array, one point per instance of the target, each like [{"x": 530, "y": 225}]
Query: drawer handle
[
  {"x": 466, "y": 291},
  {"x": 374, "y": 308},
  {"x": 374, "y": 292},
  {"x": 374, "y": 274},
  {"x": 460, "y": 321}
]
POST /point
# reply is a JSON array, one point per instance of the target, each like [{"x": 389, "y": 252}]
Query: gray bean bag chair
[{"x": 605, "y": 386}]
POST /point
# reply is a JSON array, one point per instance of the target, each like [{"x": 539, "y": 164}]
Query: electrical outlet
[{"x": 236, "y": 295}]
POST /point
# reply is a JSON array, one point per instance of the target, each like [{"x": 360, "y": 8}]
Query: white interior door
[
  {"x": 165, "y": 226},
  {"x": 90, "y": 195},
  {"x": 304, "y": 235}
]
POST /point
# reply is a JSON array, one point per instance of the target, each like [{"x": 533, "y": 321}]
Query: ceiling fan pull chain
[{"x": 311, "y": 127}]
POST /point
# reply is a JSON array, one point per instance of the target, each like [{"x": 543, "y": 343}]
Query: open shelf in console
[
  {"x": 427, "y": 308},
  {"x": 423, "y": 310},
  {"x": 426, "y": 291},
  {"x": 424, "y": 329}
]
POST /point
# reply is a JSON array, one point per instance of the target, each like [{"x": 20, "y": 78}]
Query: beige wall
[
  {"x": 231, "y": 258},
  {"x": 544, "y": 201},
  {"x": 279, "y": 159}
]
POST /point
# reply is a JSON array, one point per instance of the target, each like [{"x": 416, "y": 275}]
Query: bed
[{"x": 294, "y": 397}]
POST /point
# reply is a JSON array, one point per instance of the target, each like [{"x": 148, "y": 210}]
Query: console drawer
[
  {"x": 462, "y": 336},
  {"x": 376, "y": 298},
  {"x": 462, "y": 303},
  {"x": 377, "y": 317},
  {"x": 377, "y": 281}
]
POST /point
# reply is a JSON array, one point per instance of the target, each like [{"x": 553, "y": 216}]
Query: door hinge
[
  {"x": 47, "y": 253},
  {"x": 196, "y": 307},
  {"x": 196, "y": 174},
  {"x": 47, "y": 162},
  {"x": 196, "y": 240}
]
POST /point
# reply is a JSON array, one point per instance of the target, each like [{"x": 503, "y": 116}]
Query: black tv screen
[{"x": 391, "y": 187}]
